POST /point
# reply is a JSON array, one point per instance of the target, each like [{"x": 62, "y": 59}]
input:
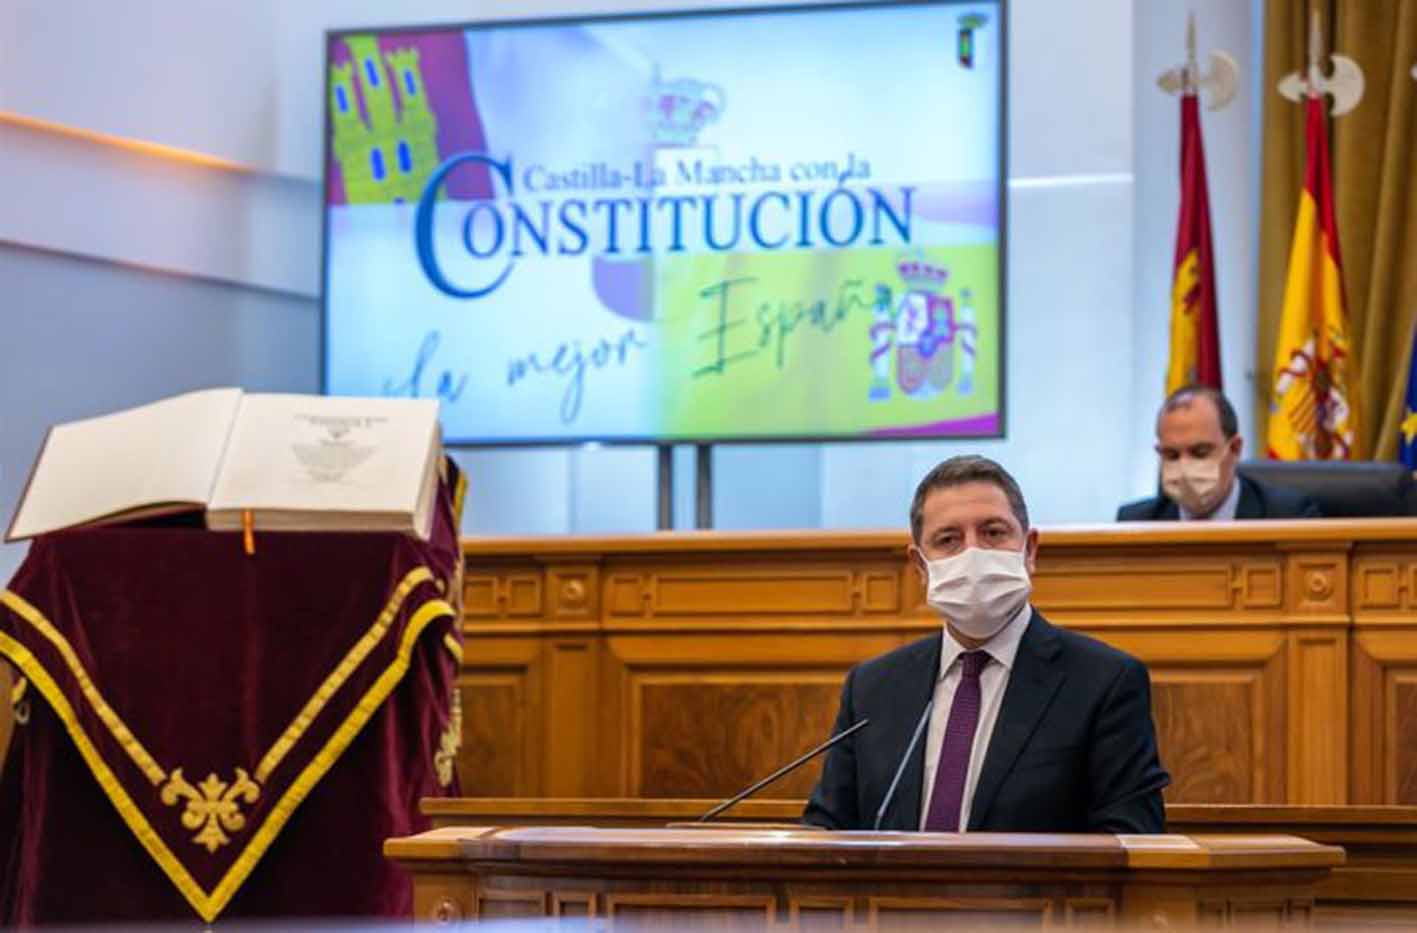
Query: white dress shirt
[
  {"x": 1002, "y": 649},
  {"x": 1224, "y": 512}
]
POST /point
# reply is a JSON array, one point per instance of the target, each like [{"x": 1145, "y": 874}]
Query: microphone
[
  {"x": 904, "y": 760},
  {"x": 783, "y": 771}
]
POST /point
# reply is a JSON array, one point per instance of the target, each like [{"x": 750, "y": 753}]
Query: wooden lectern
[{"x": 796, "y": 878}]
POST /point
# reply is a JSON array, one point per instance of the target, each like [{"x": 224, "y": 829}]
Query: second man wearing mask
[{"x": 1198, "y": 441}]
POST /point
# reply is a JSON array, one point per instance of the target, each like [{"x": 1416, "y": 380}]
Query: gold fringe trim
[
  {"x": 454, "y": 647},
  {"x": 121, "y": 733},
  {"x": 17, "y": 692},
  {"x": 367, "y": 643}
]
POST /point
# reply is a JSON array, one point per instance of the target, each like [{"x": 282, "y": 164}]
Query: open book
[{"x": 296, "y": 462}]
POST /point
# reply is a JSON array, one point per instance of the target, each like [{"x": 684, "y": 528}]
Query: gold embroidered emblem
[
  {"x": 212, "y": 806},
  {"x": 449, "y": 742}
]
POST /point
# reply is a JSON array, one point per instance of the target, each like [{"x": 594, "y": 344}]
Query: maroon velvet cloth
[{"x": 206, "y": 655}]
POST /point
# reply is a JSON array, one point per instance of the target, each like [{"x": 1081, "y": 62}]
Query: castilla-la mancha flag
[
  {"x": 1195, "y": 334},
  {"x": 1314, "y": 412}
]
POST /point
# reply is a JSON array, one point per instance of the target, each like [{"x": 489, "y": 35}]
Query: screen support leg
[
  {"x": 703, "y": 485},
  {"x": 666, "y": 486}
]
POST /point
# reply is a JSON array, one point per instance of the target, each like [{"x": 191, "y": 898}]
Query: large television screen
[{"x": 768, "y": 224}]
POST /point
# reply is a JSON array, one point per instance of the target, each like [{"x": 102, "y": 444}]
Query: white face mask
[
  {"x": 1193, "y": 483},
  {"x": 979, "y": 589}
]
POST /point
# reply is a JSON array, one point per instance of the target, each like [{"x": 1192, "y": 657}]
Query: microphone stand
[
  {"x": 899, "y": 771},
  {"x": 784, "y": 770}
]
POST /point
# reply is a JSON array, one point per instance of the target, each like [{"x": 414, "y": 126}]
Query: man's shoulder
[
  {"x": 1281, "y": 501},
  {"x": 887, "y": 668},
  {"x": 1080, "y": 651},
  {"x": 1141, "y": 510}
]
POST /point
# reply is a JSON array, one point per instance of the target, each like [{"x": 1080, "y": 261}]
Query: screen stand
[
  {"x": 703, "y": 485},
  {"x": 666, "y": 486}
]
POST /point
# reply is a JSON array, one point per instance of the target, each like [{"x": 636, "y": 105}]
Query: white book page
[
  {"x": 165, "y": 452},
  {"x": 312, "y": 453}
]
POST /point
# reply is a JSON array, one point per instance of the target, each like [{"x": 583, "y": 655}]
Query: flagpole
[
  {"x": 1193, "y": 357},
  {"x": 1314, "y": 408}
]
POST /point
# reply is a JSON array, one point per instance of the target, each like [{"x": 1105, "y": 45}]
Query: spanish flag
[
  {"x": 1407, "y": 429},
  {"x": 1195, "y": 334},
  {"x": 1314, "y": 412}
]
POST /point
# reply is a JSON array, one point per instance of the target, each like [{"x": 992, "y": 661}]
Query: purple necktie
[{"x": 948, "y": 795}]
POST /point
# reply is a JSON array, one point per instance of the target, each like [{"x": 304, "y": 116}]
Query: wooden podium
[{"x": 792, "y": 878}]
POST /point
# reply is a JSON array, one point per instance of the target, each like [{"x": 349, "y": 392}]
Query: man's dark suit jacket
[
  {"x": 1073, "y": 748},
  {"x": 1257, "y": 500}
]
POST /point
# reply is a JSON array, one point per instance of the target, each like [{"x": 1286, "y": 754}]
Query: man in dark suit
[
  {"x": 1000, "y": 722},
  {"x": 1199, "y": 443}
]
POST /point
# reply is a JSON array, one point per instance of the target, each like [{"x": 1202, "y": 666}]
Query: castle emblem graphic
[
  {"x": 387, "y": 151},
  {"x": 915, "y": 340}
]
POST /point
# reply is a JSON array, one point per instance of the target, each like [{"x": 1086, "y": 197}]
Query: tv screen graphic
[{"x": 778, "y": 224}]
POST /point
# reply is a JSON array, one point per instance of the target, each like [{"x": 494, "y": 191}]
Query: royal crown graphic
[
  {"x": 386, "y": 153},
  {"x": 677, "y": 111},
  {"x": 920, "y": 275}
]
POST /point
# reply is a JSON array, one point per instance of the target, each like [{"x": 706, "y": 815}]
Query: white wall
[{"x": 128, "y": 275}]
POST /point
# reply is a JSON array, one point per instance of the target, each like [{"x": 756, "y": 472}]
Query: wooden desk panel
[
  {"x": 1283, "y": 654},
  {"x": 1378, "y": 882},
  {"x": 1376, "y": 885},
  {"x": 789, "y": 879}
]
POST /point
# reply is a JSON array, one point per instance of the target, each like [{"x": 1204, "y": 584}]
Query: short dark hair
[
  {"x": 1182, "y": 397},
  {"x": 956, "y": 471}
]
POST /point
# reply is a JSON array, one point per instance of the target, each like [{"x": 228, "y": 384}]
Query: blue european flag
[{"x": 1407, "y": 430}]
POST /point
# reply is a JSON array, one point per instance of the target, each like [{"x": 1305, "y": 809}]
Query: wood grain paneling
[
  {"x": 1403, "y": 716},
  {"x": 1376, "y": 885},
  {"x": 1384, "y": 738},
  {"x": 500, "y": 685},
  {"x": 1207, "y": 726},
  {"x": 714, "y": 734},
  {"x": 822, "y": 913},
  {"x": 691, "y": 911},
  {"x": 572, "y": 688},
  {"x": 1112, "y": 583},
  {"x": 743, "y": 593},
  {"x": 1282, "y": 653},
  {"x": 489, "y": 761},
  {"x": 745, "y": 878},
  {"x": 498, "y": 905},
  {"x": 491, "y": 595},
  {"x": 1318, "y": 722},
  {"x": 971, "y": 913}
]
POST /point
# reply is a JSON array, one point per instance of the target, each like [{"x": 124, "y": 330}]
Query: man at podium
[{"x": 1001, "y": 722}]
